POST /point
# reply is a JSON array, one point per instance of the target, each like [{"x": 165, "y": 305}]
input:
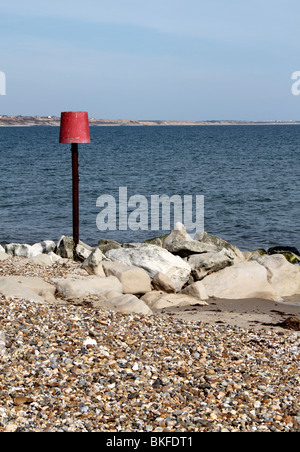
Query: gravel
[{"x": 73, "y": 368}]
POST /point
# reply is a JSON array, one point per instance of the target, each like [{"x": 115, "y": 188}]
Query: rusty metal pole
[
  {"x": 75, "y": 177},
  {"x": 74, "y": 129}
]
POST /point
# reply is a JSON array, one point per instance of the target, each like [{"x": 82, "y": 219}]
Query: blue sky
[{"x": 166, "y": 59}]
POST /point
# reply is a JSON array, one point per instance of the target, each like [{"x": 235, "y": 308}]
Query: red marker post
[{"x": 74, "y": 129}]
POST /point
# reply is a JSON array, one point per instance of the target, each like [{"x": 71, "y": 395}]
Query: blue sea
[{"x": 248, "y": 175}]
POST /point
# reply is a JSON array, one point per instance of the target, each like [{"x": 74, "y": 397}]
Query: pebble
[{"x": 71, "y": 368}]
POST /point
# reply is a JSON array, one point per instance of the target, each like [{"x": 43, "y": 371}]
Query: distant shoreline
[{"x": 28, "y": 121}]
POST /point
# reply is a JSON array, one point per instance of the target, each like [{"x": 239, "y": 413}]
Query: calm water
[{"x": 249, "y": 176}]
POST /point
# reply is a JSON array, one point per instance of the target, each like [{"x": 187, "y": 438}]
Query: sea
[{"x": 248, "y": 176}]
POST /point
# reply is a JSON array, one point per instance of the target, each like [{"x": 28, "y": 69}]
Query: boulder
[
  {"x": 196, "y": 290},
  {"x": 283, "y": 249},
  {"x": 93, "y": 264},
  {"x": 28, "y": 288},
  {"x": 156, "y": 240},
  {"x": 3, "y": 256},
  {"x": 24, "y": 250},
  {"x": 91, "y": 285},
  {"x": 180, "y": 243},
  {"x": 247, "y": 279},
  {"x": 134, "y": 280},
  {"x": 128, "y": 303},
  {"x": 17, "y": 249},
  {"x": 54, "y": 257},
  {"x": 107, "y": 245},
  {"x": 153, "y": 259},
  {"x": 282, "y": 276},
  {"x": 43, "y": 260},
  {"x": 291, "y": 254},
  {"x": 163, "y": 282},
  {"x": 158, "y": 300},
  {"x": 256, "y": 253},
  {"x": 83, "y": 251},
  {"x": 65, "y": 249},
  {"x": 205, "y": 263},
  {"x": 218, "y": 242}
]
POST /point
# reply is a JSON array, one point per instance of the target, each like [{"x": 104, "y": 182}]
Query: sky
[{"x": 164, "y": 60}]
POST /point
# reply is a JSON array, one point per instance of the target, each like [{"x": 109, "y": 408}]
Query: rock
[
  {"x": 17, "y": 249},
  {"x": 107, "y": 245},
  {"x": 291, "y": 323},
  {"x": 247, "y": 279},
  {"x": 2, "y": 250},
  {"x": 65, "y": 249},
  {"x": 196, "y": 290},
  {"x": 178, "y": 232},
  {"x": 180, "y": 243},
  {"x": 291, "y": 254},
  {"x": 282, "y": 276},
  {"x": 3, "y": 256},
  {"x": 255, "y": 253},
  {"x": 157, "y": 240},
  {"x": 29, "y": 288},
  {"x": 163, "y": 282},
  {"x": 43, "y": 260},
  {"x": 83, "y": 251},
  {"x": 128, "y": 303},
  {"x": 134, "y": 280},
  {"x": 113, "y": 294},
  {"x": 54, "y": 257},
  {"x": 93, "y": 264},
  {"x": 205, "y": 263},
  {"x": 29, "y": 251},
  {"x": 283, "y": 249},
  {"x": 218, "y": 242},
  {"x": 91, "y": 285},
  {"x": 159, "y": 300},
  {"x": 153, "y": 259}
]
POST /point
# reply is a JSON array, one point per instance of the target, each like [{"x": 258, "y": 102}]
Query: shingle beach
[{"x": 69, "y": 367}]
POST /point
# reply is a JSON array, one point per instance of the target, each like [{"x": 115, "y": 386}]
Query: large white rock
[
  {"x": 153, "y": 259},
  {"x": 282, "y": 276},
  {"x": 3, "y": 256},
  {"x": 65, "y": 248},
  {"x": 43, "y": 260},
  {"x": 28, "y": 288},
  {"x": 196, "y": 290},
  {"x": 93, "y": 264},
  {"x": 219, "y": 243},
  {"x": 179, "y": 242},
  {"x": 128, "y": 303},
  {"x": 83, "y": 251},
  {"x": 91, "y": 285},
  {"x": 163, "y": 282},
  {"x": 158, "y": 300},
  {"x": 204, "y": 263},
  {"x": 29, "y": 251},
  {"x": 134, "y": 280},
  {"x": 247, "y": 279}
]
